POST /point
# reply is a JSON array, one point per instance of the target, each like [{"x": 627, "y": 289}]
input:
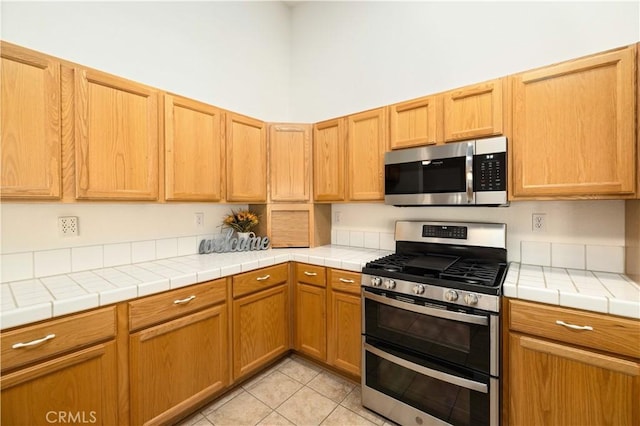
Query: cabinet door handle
[
  {"x": 310, "y": 274},
  {"x": 185, "y": 300},
  {"x": 33, "y": 342},
  {"x": 344, "y": 280},
  {"x": 266, "y": 277},
  {"x": 574, "y": 327}
]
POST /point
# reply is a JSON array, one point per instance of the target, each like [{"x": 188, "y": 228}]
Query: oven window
[
  {"x": 457, "y": 342},
  {"x": 449, "y": 402}
]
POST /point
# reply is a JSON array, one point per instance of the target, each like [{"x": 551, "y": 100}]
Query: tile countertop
[
  {"x": 603, "y": 292},
  {"x": 24, "y": 302}
]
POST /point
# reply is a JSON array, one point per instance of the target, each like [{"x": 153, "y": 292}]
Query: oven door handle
[
  {"x": 455, "y": 380},
  {"x": 455, "y": 316}
]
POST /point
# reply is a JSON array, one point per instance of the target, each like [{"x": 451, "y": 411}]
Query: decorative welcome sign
[{"x": 223, "y": 243}]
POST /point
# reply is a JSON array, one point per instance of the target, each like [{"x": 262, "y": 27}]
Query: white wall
[
  {"x": 231, "y": 54},
  {"x": 351, "y": 56}
]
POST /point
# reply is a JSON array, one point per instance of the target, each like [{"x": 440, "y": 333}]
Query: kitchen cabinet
[
  {"x": 260, "y": 318},
  {"x": 194, "y": 150},
  {"x": 294, "y": 224},
  {"x": 329, "y": 140},
  {"x": 474, "y": 111},
  {"x": 311, "y": 311},
  {"x": 415, "y": 122},
  {"x": 574, "y": 127},
  {"x": 31, "y": 144},
  {"x": 178, "y": 351},
  {"x": 116, "y": 137},
  {"x": 246, "y": 159},
  {"x": 289, "y": 162},
  {"x": 61, "y": 371},
  {"x": 366, "y": 144},
  {"x": 362, "y": 140},
  {"x": 344, "y": 349},
  {"x": 559, "y": 372}
]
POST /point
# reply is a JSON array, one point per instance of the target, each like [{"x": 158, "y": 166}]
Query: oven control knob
[
  {"x": 451, "y": 295},
  {"x": 390, "y": 284},
  {"x": 376, "y": 281},
  {"x": 419, "y": 289},
  {"x": 471, "y": 299}
]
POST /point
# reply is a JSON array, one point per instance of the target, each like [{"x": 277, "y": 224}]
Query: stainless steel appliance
[
  {"x": 471, "y": 173},
  {"x": 430, "y": 324}
]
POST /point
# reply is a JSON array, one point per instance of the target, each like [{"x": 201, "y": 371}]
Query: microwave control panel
[{"x": 489, "y": 172}]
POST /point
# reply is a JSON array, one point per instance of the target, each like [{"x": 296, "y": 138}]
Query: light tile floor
[{"x": 292, "y": 392}]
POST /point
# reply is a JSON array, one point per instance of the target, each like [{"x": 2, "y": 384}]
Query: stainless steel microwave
[{"x": 470, "y": 173}]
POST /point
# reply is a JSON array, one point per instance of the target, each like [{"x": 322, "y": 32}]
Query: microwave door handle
[
  {"x": 455, "y": 380},
  {"x": 454, "y": 316},
  {"x": 469, "y": 173}
]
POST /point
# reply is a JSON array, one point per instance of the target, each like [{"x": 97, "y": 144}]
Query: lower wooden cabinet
[
  {"x": 345, "y": 321},
  {"x": 260, "y": 318},
  {"x": 574, "y": 379},
  {"x": 176, "y": 364},
  {"x": 61, "y": 371},
  {"x": 311, "y": 311}
]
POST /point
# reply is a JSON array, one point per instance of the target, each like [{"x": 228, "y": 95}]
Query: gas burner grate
[
  {"x": 473, "y": 272},
  {"x": 393, "y": 262}
]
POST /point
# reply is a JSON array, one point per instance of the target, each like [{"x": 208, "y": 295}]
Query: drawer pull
[
  {"x": 575, "y": 327},
  {"x": 185, "y": 300},
  {"x": 310, "y": 274},
  {"x": 344, "y": 280},
  {"x": 266, "y": 277},
  {"x": 33, "y": 342}
]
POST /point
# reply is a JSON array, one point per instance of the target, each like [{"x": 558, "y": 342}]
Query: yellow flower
[{"x": 241, "y": 220}]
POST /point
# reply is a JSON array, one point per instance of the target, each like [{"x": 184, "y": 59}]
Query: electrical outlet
[
  {"x": 336, "y": 217},
  {"x": 539, "y": 222},
  {"x": 68, "y": 226},
  {"x": 199, "y": 220}
]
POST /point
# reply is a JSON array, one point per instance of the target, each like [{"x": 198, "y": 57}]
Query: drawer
[
  {"x": 311, "y": 274},
  {"x": 608, "y": 333},
  {"x": 161, "y": 307},
  {"x": 260, "y": 279},
  {"x": 56, "y": 336},
  {"x": 345, "y": 281}
]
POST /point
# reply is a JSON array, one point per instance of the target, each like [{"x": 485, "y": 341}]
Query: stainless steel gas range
[{"x": 430, "y": 322}]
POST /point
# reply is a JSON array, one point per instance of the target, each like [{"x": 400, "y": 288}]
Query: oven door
[
  {"x": 413, "y": 391},
  {"x": 440, "y": 175},
  {"x": 453, "y": 334}
]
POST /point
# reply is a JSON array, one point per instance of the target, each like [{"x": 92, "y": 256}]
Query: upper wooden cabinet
[
  {"x": 414, "y": 123},
  {"x": 473, "y": 111},
  {"x": 116, "y": 138},
  {"x": 574, "y": 128},
  {"x": 194, "y": 150},
  {"x": 31, "y": 139},
  {"x": 246, "y": 158},
  {"x": 329, "y": 138},
  {"x": 290, "y": 162},
  {"x": 366, "y": 144}
]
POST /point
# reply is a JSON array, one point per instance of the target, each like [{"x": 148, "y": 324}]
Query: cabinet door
[
  {"x": 31, "y": 140},
  {"x": 345, "y": 344},
  {"x": 574, "y": 127},
  {"x": 246, "y": 159},
  {"x": 116, "y": 138},
  {"x": 473, "y": 111},
  {"x": 555, "y": 384},
  {"x": 413, "y": 123},
  {"x": 194, "y": 150},
  {"x": 367, "y": 143},
  {"x": 329, "y": 138},
  {"x": 311, "y": 324},
  {"x": 260, "y": 329},
  {"x": 80, "y": 387},
  {"x": 178, "y": 364},
  {"x": 289, "y": 162}
]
